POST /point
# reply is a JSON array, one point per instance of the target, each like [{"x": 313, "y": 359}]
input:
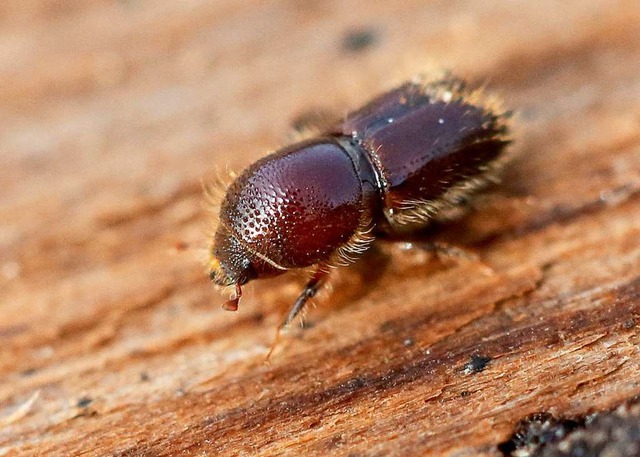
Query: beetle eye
[{"x": 248, "y": 272}]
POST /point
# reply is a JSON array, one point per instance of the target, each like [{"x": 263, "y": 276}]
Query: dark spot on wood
[
  {"x": 615, "y": 433},
  {"x": 29, "y": 372},
  {"x": 358, "y": 40},
  {"x": 83, "y": 402},
  {"x": 352, "y": 385},
  {"x": 476, "y": 364},
  {"x": 536, "y": 431}
]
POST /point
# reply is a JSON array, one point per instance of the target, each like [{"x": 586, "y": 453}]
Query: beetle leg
[
  {"x": 312, "y": 287},
  {"x": 309, "y": 291}
]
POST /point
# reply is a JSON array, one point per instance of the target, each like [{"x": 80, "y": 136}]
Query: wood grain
[{"x": 112, "y": 341}]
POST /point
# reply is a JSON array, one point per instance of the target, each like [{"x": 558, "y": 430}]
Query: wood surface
[{"x": 112, "y": 340}]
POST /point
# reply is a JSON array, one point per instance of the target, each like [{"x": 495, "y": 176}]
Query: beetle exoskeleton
[{"x": 408, "y": 157}]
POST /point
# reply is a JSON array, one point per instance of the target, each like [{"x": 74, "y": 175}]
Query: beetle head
[{"x": 229, "y": 262}]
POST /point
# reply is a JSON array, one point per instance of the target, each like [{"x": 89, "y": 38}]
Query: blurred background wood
[{"x": 112, "y": 340}]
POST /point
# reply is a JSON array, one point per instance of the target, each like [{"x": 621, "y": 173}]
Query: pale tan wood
[{"x": 112, "y": 341}]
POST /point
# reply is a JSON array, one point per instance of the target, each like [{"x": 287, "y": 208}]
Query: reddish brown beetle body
[
  {"x": 407, "y": 157},
  {"x": 292, "y": 209}
]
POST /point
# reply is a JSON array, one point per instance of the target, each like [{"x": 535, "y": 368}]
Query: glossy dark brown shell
[{"x": 426, "y": 139}]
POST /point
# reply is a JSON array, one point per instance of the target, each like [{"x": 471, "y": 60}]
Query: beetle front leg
[{"x": 313, "y": 285}]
